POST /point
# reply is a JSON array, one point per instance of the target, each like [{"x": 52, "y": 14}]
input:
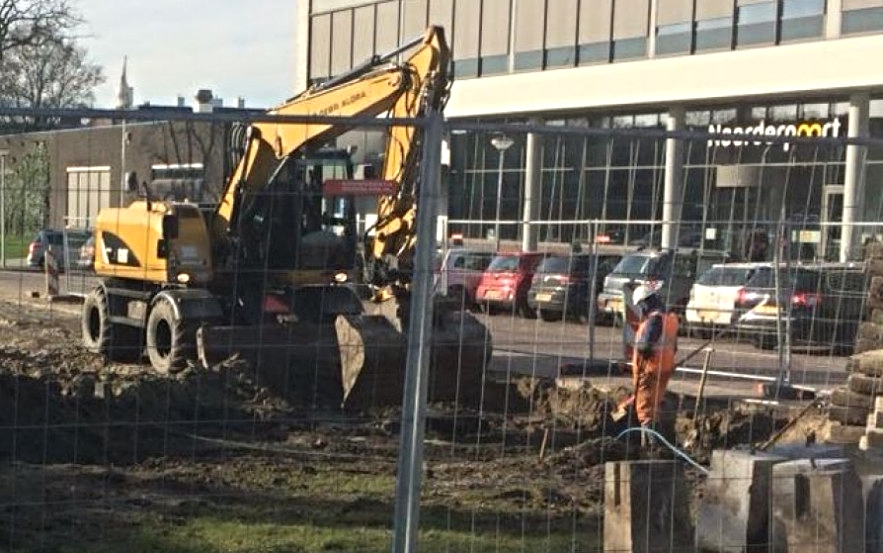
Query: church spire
[{"x": 125, "y": 92}]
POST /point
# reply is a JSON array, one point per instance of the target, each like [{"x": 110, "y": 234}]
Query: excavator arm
[
  {"x": 391, "y": 250},
  {"x": 380, "y": 86}
]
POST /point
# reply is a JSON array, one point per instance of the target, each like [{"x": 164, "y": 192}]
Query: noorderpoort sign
[{"x": 744, "y": 136}]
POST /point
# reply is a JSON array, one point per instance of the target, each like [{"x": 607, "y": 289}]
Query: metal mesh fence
[{"x": 231, "y": 381}]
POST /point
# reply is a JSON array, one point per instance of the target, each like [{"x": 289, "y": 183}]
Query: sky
[{"x": 175, "y": 47}]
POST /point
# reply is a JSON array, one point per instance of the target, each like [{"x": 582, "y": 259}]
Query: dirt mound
[
  {"x": 60, "y": 403},
  {"x": 586, "y": 408}
]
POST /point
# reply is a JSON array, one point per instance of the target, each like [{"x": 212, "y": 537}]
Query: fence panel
[{"x": 272, "y": 441}]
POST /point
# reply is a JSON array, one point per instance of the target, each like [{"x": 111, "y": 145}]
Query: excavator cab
[{"x": 292, "y": 228}]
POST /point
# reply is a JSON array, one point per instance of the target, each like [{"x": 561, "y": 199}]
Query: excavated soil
[{"x": 119, "y": 442}]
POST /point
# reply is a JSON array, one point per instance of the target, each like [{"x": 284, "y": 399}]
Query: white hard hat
[{"x": 641, "y": 293}]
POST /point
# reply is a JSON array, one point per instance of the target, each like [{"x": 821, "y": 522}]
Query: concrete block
[
  {"x": 734, "y": 512},
  {"x": 875, "y": 421},
  {"x": 873, "y": 438},
  {"x": 795, "y": 451},
  {"x": 817, "y": 506},
  {"x": 878, "y": 404},
  {"x": 646, "y": 508},
  {"x": 872, "y": 486}
]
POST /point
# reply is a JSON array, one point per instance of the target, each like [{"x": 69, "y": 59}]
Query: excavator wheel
[
  {"x": 169, "y": 342},
  {"x": 115, "y": 341}
]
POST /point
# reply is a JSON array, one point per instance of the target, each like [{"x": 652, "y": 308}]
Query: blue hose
[{"x": 659, "y": 436}]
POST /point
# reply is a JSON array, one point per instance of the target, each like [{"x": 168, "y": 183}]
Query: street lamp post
[
  {"x": 501, "y": 143},
  {"x": 3, "y": 154}
]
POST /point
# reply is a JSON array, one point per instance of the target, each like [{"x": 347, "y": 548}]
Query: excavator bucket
[{"x": 358, "y": 362}]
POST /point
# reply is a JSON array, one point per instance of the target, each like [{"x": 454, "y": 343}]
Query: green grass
[
  {"x": 212, "y": 535},
  {"x": 232, "y": 508},
  {"x": 17, "y": 247}
]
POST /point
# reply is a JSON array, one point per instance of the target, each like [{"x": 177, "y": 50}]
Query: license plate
[
  {"x": 492, "y": 295},
  {"x": 614, "y": 305},
  {"x": 767, "y": 310},
  {"x": 544, "y": 297}
]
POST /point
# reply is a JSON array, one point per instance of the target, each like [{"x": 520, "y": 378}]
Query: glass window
[
  {"x": 756, "y": 24},
  {"x": 674, "y": 39},
  {"x": 558, "y": 57},
  {"x": 802, "y": 19},
  {"x": 862, "y": 21},
  {"x": 784, "y": 113},
  {"x": 630, "y": 48},
  {"x": 494, "y": 65},
  {"x": 647, "y": 120},
  {"x": 815, "y": 111},
  {"x": 713, "y": 34},
  {"x": 792, "y": 9},
  {"x": 503, "y": 264},
  {"x": 529, "y": 60},
  {"x": 466, "y": 68},
  {"x": 598, "y": 52}
]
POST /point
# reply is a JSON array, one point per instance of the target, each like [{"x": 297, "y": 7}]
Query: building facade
[{"x": 726, "y": 67}]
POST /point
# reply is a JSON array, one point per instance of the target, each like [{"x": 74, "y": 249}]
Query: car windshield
[
  {"x": 503, "y": 264},
  {"x": 632, "y": 265},
  {"x": 726, "y": 276},
  {"x": 554, "y": 265}
]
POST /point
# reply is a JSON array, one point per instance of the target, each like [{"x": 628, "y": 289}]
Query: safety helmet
[{"x": 642, "y": 292}]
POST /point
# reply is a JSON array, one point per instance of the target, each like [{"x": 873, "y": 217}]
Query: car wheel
[
  {"x": 549, "y": 316},
  {"x": 168, "y": 342}
]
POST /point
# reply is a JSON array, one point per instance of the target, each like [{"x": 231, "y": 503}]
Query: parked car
[
  {"x": 505, "y": 283},
  {"x": 824, "y": 302},
  {"x": 713, "y": 297},
  {"x": 563, "y": 285},
  {"x": 459, "y": 272},
  {"x": 65, "y": 251},
  {"x": 672, "y": 271},
  {"x": 87, "y": 255}
]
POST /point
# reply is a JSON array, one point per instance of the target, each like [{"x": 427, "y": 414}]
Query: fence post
[
  {"x": 410, "y": 461},
  {"x": 51, "y": 268}
]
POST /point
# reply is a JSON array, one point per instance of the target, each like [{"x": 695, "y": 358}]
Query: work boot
[{"x": 647, "y": 439}]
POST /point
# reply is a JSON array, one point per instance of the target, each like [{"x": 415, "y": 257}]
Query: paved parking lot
[
  {"x": 524, "y": 346},
  {"x": 537, "y": 347}
]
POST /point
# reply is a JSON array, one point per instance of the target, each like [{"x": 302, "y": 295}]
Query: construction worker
[{"x": 653, "y": 356}]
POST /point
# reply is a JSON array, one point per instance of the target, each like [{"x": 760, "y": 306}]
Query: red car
[{"x": 506, "y": 281}]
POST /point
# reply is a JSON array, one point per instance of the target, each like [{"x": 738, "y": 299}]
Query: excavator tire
[
  {"x": 115, "y": 341},
  {"x": 169, "y": 343}
]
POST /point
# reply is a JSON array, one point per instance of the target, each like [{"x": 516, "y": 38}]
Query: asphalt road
[
  {"x": 523, "y": 346},
  {"x": 541, "y": 348}
]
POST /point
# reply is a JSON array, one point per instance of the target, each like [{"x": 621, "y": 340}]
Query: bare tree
[
  {"x": 28, "y": 22},
  {"x": 52, "y": 74}
]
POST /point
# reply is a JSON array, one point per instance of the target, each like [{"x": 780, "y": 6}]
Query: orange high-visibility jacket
[{"x": 650, "y": 376}]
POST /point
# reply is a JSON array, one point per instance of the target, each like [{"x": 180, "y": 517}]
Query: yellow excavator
[{"x": 270, "y": 272}]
